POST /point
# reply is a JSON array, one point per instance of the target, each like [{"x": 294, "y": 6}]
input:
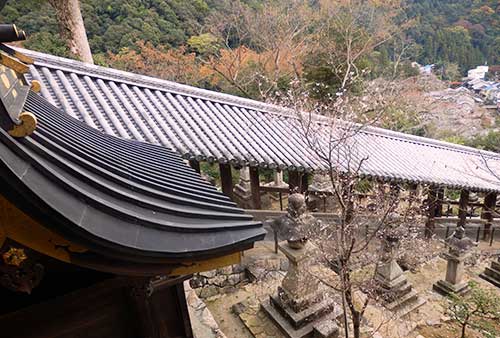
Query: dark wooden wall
[{"x": 114, "y": 308}]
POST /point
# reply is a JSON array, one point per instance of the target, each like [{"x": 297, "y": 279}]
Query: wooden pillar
[
  {"x": 439, "y": 202},
  {"x": 293, "y": 180},
  {"x": 304, "y": 182},
  {"x": 195, "y": 165},
  {"x": 183, "y": 307},
  {"x": 462, "y": 208},
  {"x": 489, "y": 204},
  {"x": 161, "y": 308},
  {"x": 226, "y": 179},
  {"x": 140, "y": 293},
  {"x": 430, "y": 224},
  {"x": 255, "y": 187}
]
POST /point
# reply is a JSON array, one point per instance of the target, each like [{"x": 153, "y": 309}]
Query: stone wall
[
  {"x": 202, "y": 321},
  {"x": 257, "y": 264},
  {"x": 219, "y": 281}
]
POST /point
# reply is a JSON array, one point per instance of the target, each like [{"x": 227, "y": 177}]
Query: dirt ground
[{"x": 429, "y": 321}]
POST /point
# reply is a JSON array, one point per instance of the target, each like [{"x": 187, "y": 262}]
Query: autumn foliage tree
[
  {"x": 262, "y": 49},
  {"x": 171, "y": 64}
]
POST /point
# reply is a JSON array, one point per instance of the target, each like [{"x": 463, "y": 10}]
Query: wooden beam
[
  {"x": 462, "y": 208},
  {"x": 206, "y": 265},
  {"x": 490, "y": 201},
  {"x": 255, "y": 187},
  {"x": 23, "y": 229},
  {"x": 195, "y": 165},
  {"x": 226, "y": 179},
  {"x": 140, "y": 293}
]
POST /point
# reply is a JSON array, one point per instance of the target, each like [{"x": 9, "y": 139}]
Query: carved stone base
[
  {"x": 242, "y": 193},
  {"x": 397, "y": 293},
  {"x": 307, "y": 323},
  {"x": 492, "y": 273},
  {"x": 299, "y": 304},
  {"x": 445, "y": 288},
  {"x": 453, "y": 282}
]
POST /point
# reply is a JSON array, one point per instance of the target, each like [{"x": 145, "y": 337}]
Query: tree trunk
[
  {"x": 464, "y": 325},
  {"x": 72, "y": 29},
  {"x": 356, "y": 324}
]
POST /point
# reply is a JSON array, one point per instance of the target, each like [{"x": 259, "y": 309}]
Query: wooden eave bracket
[{"x": 15, "y": 64}]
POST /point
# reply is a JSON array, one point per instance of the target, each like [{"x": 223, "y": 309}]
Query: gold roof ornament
[{"x": 27, "y": 126}]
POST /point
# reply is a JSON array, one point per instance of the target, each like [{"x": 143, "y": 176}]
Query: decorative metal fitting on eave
[{"x": 14, "y": 88}]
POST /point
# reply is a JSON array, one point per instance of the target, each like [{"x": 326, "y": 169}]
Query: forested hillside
[
  {"x": 463, "y": 32},
  {"x": 112, "y": 24}
]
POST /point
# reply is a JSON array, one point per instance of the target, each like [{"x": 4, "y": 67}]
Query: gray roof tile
[{"x": 211, "y": 126}]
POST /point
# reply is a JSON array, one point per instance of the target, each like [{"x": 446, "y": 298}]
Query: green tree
[{"x": 476, "y": 309}]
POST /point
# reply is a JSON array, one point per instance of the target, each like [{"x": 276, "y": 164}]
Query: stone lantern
[
  {"x": 397, "y": 293},
  {"x": 299, "y": 308},
  {"x": 459, "y": 249}
]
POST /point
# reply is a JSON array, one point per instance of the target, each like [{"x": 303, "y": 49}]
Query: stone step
[
  {"x": 404, "y": 289},
  {"x": 445, "y": 289},
  {"x": 300, "y": 319},
  {"x": 490, "y": 279},
  {"x": 410, "y": 307},
  {"x": 397, "y": 283},
  {"x": 495, "y": 265},
  {"x": 286, "y": 327},
  {"x": 402, "y": 301},
  {"x": 493, "y": 273},
  {"x": 395, "y": 294}
]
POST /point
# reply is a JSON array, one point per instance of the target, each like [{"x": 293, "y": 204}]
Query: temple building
[{"x": 97, "y": 233}]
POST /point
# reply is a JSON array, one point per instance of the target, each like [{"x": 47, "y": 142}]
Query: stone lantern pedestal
[
  {"x": 299, "y": 308},
  {"x": 242, "y": 191},
  {"x": 453, "y": 282},
  {"x": 397, "y": 293}
]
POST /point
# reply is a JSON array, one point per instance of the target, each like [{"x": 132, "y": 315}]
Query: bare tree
[
  {"x": 72, "y": 29},
  {"x": 351, "y": 29},
  {"x": 369, "y": 212},
  {"x": 260, "y": 46}
]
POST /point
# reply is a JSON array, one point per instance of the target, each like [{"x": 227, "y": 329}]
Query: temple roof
[
  {"x": 121, "y": 198},
  {"x": 210, "y": 126}
]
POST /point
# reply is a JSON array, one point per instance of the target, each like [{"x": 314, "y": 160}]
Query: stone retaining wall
[
  {"x": 223, "y": 280},
  {"x": 257, "y": 264}
]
